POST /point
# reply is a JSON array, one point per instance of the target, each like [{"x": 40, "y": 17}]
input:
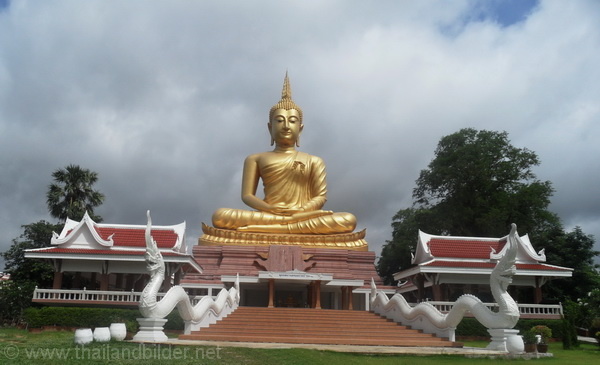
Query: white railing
[
  {"x": 541, "y": 310},
  {"x": 85, "y": 295},
  {"x": 133, "y": 298},
  {"x": 104, "y": 296},
  {"x": 526, "y": 310}
]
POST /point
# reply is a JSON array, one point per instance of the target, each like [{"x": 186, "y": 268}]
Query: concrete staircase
[{"x": 314, "y": 326}]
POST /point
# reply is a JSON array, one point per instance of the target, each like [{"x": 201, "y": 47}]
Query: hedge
[
  {"x": 556, "y": 325},
  {"x": 91, "y": 317},
  {"x": 472, "y": 328}
]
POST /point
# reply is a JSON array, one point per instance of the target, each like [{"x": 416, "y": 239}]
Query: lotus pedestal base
[
  {"x": 151, "y": 330},
  {"x": 506, "y": 340}
]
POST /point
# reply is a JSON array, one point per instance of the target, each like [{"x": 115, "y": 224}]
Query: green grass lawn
[{"x": 22, "y": 347}]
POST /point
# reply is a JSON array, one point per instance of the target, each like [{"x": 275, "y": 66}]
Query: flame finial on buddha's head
[{"x": 286, "y": 101}]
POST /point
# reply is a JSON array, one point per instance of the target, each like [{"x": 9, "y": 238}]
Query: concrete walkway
[{"x": 464, "y": 351}]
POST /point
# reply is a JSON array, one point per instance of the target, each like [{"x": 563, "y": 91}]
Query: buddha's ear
[
  {"x": 298, "y": 138},
  {"x": 270, "y": 133}
]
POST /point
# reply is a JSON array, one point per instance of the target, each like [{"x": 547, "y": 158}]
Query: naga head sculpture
[
  {"x": 154, "y": 259},
  {"x": 506, "y": 269}
]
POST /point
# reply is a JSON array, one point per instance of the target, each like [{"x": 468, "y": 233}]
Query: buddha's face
[{"x": 285, "y": 127}]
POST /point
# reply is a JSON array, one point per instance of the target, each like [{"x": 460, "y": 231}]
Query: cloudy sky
[{"x": 164, "y": 99}]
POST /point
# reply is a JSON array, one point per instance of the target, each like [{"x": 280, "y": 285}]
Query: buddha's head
[{"x": 285, "y": 119}]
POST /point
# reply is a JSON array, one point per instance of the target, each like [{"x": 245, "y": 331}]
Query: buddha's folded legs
[
  {"x": 319, "y": 222},
  {"x": 326, "y": 224}
]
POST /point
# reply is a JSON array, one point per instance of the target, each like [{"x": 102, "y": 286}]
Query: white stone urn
[
  {"x": 118, "y": 331},
  {"x": 83, "y": 336},
  {"x": 101, "y": 334}
]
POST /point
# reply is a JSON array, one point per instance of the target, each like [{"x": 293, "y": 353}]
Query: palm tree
[{"x": 71, "y": 194}]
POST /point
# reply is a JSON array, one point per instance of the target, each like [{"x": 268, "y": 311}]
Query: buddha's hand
[
  {"x": 280, "y": 209},
  {"x": 302, "y": 216}
]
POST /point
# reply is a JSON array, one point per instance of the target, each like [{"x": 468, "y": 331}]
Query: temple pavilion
[
  {"x": 445, "y": 267},
  {"x": 91, "y": 257}
]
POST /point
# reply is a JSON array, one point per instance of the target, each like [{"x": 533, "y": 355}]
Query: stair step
[
  {"x": 304, "y": 310},
  {"x": 311, "y": 315},
  {"x": 314, "y": 326},
  {"x": 326, "y": 321},
  {"x": 336, "y": 332},
  {"x": 322, "y": 341},
  {"x": 237, "y": 324}
]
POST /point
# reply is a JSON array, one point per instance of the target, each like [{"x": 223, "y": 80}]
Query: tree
[
  {"x": 396, "y": 254},
  {"x": 69, "y": 197},
  {"x": 480, "y": 184},
  {"x": 25, "y": 274},
  {"x": 35, "y": 235},
  {"x": 476, "y": 185},
  {"x": 15, "y": 297},
  {"x": 71, "y": 194},
  {"x": 573, "y": 249}
]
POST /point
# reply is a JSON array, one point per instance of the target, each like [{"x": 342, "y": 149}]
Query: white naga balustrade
[
  {"x": 154, "y": 309},
  {"x": 430, "y": 319},
  {"x": 554, "y": 311}
]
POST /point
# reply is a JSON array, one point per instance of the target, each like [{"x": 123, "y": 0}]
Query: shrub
[
  {"x": 529, "y": 338},
  {"x": 15, "y": 297},
  {"x": 555, "y": 325},
  {"x": 175, "y": 322},
  {"x": 544, "y": 331},
  {"x": 569, "y": 334},
  {"x": 132, "y": 326},
  {"x": 595, "y": 327}
]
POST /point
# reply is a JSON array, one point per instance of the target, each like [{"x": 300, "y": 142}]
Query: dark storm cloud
[{"x": 165, "y": 99}]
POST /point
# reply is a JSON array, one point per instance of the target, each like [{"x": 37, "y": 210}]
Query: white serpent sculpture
[
  {"x": 206, "y": 310},
  {"x": 501, "y": 277}
]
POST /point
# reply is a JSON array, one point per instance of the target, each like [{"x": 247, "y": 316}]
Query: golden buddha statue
[{"x": 294, "y": 188}]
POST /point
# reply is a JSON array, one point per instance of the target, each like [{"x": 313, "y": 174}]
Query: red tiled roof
[
  {"x": 490, "y": 265},
  {"x": 131, "y": 237},
  {"x": 103, "y": 252},
  {"x": 468, "y": 249}
]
